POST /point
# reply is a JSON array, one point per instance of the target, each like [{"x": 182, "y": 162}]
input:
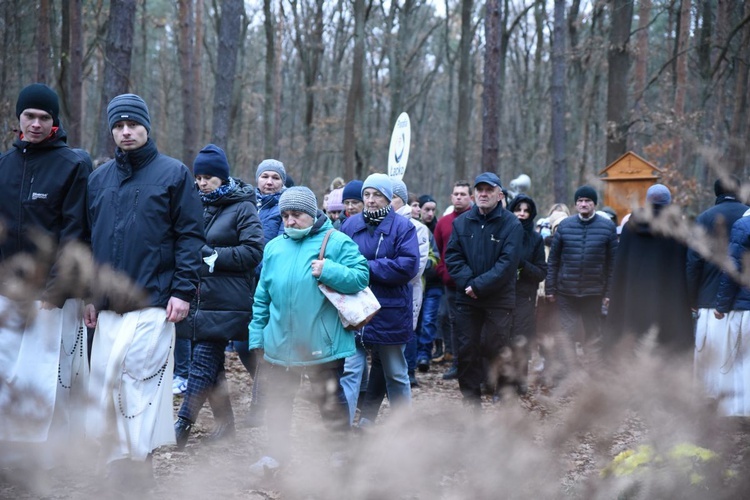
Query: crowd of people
[{"x": 222, "y": 265}]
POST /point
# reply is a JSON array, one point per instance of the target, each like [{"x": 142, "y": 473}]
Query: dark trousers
[
  {"x": 587, "y": 310},
  {"x": 283, "y": 383},
  {"x": 523, "y": 334},
  {"x": 206, "y": 377},
  {"x": 481, "y": 333}
]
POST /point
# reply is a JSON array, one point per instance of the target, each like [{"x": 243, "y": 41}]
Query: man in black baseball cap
[{"x": 482, "y": 258}]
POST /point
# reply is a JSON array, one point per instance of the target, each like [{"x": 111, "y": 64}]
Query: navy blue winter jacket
[
  {"x": 392, "y": 252},
  {"x": 731, "y": 296},
  {"x": 702, "y": 276},
  {"x": 147, "y": 222},
  {"x": 581, "y": 259},
  {"x": 45, "y": 190}
]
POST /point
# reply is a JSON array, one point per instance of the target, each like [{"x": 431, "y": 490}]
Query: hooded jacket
[
  {"x": 45, "y": 191},
  {"x": 146, "y": 222},
  {"x": 392, "y": 252},
  {"x": 532, "y": 269},
  {"x": 703, "y": 276},
  {"x": 223, "y": 304},
  {"x": 484, "y": 252},
  {"x": 293, "y": 321}
]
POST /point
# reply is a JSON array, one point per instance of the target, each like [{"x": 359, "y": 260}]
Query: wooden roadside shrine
[{"x": 626, "y": 181}]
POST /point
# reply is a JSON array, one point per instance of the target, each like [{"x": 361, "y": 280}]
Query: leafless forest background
[{"x": 554, "y": 89}]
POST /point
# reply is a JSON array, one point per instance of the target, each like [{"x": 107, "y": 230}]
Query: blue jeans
[
  {"x": 354, "y": 379},
  {"x": 182, "y": 358},
  {"x": 389, "y": 373},
  {"x": 427, "y": 329}
]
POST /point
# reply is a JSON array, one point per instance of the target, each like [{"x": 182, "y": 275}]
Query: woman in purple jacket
[{"x": 389, "y": 243}]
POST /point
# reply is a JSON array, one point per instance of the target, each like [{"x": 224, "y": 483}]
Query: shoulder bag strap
[{"x": 323, "y": 246}]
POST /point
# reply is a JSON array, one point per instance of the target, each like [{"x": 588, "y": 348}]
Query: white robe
[
  {"x": 130, "y": 388},
  {"x": 43, "y": 374},
  {"x": 710, "y": 346},
  {"x": 732, "y": 364}
]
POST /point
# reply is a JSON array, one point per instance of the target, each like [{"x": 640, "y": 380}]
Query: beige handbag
[{"x": 356, "y": 309}]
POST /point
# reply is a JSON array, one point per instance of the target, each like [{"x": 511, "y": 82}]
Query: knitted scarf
[
  {"x": 219, "y": 192},
  {"x": 376, "y": 217}
]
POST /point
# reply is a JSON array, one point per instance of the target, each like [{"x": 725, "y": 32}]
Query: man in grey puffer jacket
[{"x": 580, "y": 266}]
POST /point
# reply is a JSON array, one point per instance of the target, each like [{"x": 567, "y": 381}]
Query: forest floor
[{"x": 548, "y": 444}]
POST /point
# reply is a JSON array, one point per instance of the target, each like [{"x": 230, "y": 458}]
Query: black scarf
[{"x": 376, "y": 217}]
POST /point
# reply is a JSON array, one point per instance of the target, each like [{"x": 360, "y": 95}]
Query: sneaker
[
  {"x": 413, "y": 380},
  {"x": 423, "y": 365},
  {"x": 179, "y": 385},
  {"x": 451, "y": 374},
  {"x": 265, "y": 467}
]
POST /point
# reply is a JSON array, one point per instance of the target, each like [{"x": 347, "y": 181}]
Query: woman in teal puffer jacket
[{"x": 294, "y": 324}]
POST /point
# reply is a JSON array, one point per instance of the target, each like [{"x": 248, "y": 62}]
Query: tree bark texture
[
  {"x": 117, "y": 60},
  {"x": 463, "y": 128},
  {"x": 617, "y": 84},
  {"x": 354, "y": 98},
  {"x": 226, "y": 69},
  {"x": 557, "y": 91},
  {"x": 186, "y": 41},
  {"x": 490, "y": 118},
  {"x": 43, "y": 44}
]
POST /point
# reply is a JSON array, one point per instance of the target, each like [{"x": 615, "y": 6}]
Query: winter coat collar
[
  {"x": 358, "y": 223},
  {"x": 57, "y": 139},
  {"x": 497, "y": 213},
  {"x": 127, "y": 161},
  {"x": 241, "y": 192},
  {"x": 723, "y": 198}
]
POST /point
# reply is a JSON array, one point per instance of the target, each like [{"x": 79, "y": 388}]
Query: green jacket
[{"x": 292, "y": 320}]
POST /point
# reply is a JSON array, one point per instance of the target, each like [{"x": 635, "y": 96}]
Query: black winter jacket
[
  {"x": 146, "y": 222},
  {"x": 483, "y": 252},
  {"x": 45, "y": 186},
  {"x": 703, "y": 277},
  {"x": 581, "y": 259},
  {"x": 222, "y": 308},
  {"x": 532, "y": 268}
]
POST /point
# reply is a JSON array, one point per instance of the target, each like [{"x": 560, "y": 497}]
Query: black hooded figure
[
  {"x": 532, "y": 269},
  {"x": 649, "y": 285}
]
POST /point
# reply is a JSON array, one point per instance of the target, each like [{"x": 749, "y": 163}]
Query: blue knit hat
[
  {"x": 128, "y": 107},
  {"x": 659, "y": 194},
  {"x": 352, "y": 191},
  {"x": 274, "y": 166},
  {"x": 212, "y": 161},
  {"x": 381, "y": 182}
]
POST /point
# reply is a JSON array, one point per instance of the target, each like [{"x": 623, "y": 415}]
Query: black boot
[
  {"x": 182, "y": 428},
  {"x": 221, "y": 405}
]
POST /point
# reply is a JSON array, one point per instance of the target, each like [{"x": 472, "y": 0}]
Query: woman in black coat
[
  {"x": 223, "y": 305},
  {"x": 532, "y": 269}
]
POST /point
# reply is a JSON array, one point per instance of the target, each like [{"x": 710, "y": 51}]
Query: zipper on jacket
[
  {"x": 197, "y": 308},
  {"x": 378, "y": 247}
]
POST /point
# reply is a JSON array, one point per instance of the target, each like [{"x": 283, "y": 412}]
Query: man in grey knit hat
[{"x": 146, "y": 223}]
